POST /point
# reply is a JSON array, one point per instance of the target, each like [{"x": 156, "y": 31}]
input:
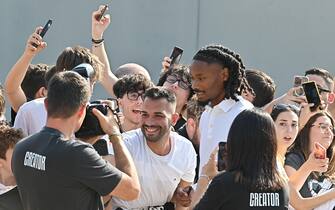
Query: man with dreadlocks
[{"x": 218, "y": 79}]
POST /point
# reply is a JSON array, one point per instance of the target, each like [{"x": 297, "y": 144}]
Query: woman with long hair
[
  {"x": 252, "y": 179},
  {"x": 312, "y": 177},
  {"x": 286, "y": 123}
]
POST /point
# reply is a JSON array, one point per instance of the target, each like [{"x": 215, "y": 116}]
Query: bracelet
[
  {"x": 205, "y": 176},
  {"x": 97, "y": 41},
  {"x": 97, "y": 45},
  {"x": 114, "y": 134}
]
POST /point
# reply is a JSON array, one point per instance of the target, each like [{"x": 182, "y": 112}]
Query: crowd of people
[{"x": 155, "y": 146}]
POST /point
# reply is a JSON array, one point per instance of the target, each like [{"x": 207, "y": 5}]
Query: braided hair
[{"x": 232, "y": 61}]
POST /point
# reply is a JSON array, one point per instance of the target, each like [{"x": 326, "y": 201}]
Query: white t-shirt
[
  {"x": 31, "y": 117},
  {"x": 159, "y": 176},
  {"x": 215, "y": 123}
]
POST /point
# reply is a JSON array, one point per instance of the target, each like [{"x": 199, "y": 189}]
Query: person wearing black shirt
[
  {"x": 252, "y": 179},
  {"x": 55, "y": 172},
  {"x": 310, "y": 175}
]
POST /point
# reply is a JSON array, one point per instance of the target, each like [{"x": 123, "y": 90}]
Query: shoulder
[
  {"x": 133, "y": 135},
  {"x": 36, "y": 103},
  {"x": 224, "y": 178},
  {"x": 294, "y": 159},
  {"x": 244, "y": 104},
  {"x": 180, "y": 141},
  {"x": 133, "y": 139}
]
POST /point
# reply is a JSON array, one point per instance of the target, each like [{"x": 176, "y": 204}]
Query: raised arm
[
  {"x": 108, "y": 79},
  {"x": 16, "y": 75},
  {"x": 298, "y": 176}
]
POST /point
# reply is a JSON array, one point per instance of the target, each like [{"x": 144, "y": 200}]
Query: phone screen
[
  {"x": 222, "y": 155},
  {"x": 176, "y": 55},
  {"x": 312, "y": 94}
]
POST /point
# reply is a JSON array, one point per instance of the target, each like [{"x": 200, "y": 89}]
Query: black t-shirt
[
  {"x": 180, "y": 122},
  {"x": 11, "y": 200},
  {"x": 312, "y": 186},
  {"x": 224, "y": 193},
  {"x": 53, "y": 173}
]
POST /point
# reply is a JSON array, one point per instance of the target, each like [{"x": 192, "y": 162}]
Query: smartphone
[
  {"x": 222, "y": 155},
  {"x": 44, "y": 30},
  {"x": 102, "y": 12},
  {"x": 176, "y": 55},
  {"x": 312, "y": 94},
  {"x": 320, "y": 151},
  {"x": 298, "y": 80}
]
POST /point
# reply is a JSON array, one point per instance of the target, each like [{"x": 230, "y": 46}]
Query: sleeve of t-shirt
[
  {"x": 189, "y": 174},
  {"x": 215, "y": 196},
  {"x": 294, "y": 160},
  {"x": 93, "y": 171}
]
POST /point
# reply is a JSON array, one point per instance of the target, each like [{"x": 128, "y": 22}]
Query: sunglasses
[{"x": 181, "y": 83}]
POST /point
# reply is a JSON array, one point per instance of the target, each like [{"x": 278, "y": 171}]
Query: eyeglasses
[
  {"x": 181, "y": 83},
  {"x": 325, "y": 127},
  {"x": 323, "y": 90},
  {"x": 133, "y": 96}
]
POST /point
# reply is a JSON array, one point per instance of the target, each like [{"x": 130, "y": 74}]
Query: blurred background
[{"x": 283, "y": 38}]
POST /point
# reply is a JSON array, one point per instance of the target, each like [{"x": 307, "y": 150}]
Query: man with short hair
[
  {"x": 165, "y": 161},
  {"x": 129, "y": 91},
  {"x": 53, "y": 171}
]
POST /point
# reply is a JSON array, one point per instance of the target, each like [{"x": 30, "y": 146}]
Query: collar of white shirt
[{"x": 224, "y": 105}]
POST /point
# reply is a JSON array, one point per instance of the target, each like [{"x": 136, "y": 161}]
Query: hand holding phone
[
  {"x": 44, "y": 30},
  {"x": 319, "y": 151},
  {"x": 312, "y": 94},
  {"x": 102, "y": 12},
  {"x": 176, "y": 56}
]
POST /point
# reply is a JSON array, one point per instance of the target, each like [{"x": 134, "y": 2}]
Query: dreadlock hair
[{"x": 232, "y": 61}]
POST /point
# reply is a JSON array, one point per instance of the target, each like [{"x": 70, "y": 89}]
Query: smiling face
[
  {"x": 131, "y": 107},
  {"x": 156, "y": 119},
  {"x": 321, "y": 132},
  {"x": 286, "y": 130},
  {"x": 208, "y": 81}
]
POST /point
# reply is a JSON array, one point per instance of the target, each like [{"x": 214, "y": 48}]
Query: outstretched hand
[
  {"x": 35, "y": 39},
  {"x": 99, "y": 26}
]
